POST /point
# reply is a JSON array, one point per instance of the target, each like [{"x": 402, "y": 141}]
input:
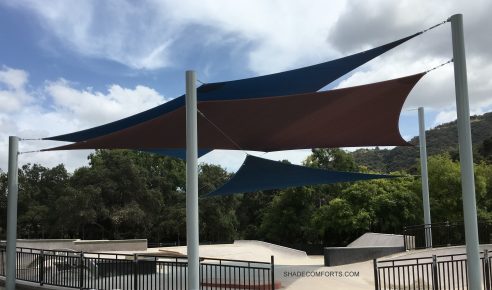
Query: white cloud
[
  {"x": 449, "y": 115},
  {"x": 71, "y": 109},
  {"x": 118, "y": 102},
  {"x": 129, "y": 32},
  {"x": 284, "y": 34},
  {"x": 13, "y": 78},
  {"x": 12, "y": 89},
  {"x": 145, "y": 34},
  {"x": 444, "y": 117}
]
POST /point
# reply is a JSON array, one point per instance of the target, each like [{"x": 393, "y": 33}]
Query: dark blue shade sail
[
  {"x": 258, "y": 174},
  {"x": 297, "y": 81},
  {"x": 171, "y": 152}
]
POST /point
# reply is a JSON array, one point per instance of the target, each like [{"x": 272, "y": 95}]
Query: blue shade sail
[
  {"x": 171, "y": 152},
  {"x": 297, "y": 81},
  {"x": 258, "y": 174}
]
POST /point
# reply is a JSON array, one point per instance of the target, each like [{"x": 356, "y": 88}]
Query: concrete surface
[
  {"x": 46, "y": 244},
  {"x": 367, "y": 247},
  {"x": 335, "y": 256},
  {"x": 84, "y": 245},
  {"x": 377, "y": 240},
  {"x": 110, "y": 245},
  {"x": 251, "y": 251}
]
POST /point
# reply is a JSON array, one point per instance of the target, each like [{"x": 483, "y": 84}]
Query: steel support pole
[
  {"x": 13, "y": 188},
  {"x": 192, "y": 237},
  {"x": 466, "y": 154},
  {"x": 425, "y": 180}
]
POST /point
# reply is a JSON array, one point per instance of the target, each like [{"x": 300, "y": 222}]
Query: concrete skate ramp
[
  {"x": 367, "y": 247},
  {"x": 276, "y": 250},
  {"x": 252, "y": 251},
  {"x": 377, "y": 240}
]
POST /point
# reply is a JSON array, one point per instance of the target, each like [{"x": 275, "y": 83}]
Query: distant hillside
[{"x": 443, "y": 138}]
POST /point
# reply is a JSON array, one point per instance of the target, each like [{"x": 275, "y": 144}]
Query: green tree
[
  {"x": 250, "y": 211},
  {"x": 218, "y": 221},
  {"x": 335, "y": 222},
  {"x": 445, "y": 189},
  {"x": 287, "y": 219},
  {"x": 483, "y": 188},
  {"x": 383, "y": 205},
  {"x": 39, "y": 189},
  {"x": 331, "y": 159}
]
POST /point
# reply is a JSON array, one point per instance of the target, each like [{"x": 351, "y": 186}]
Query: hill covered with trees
[{"x": 441, "y": 139}]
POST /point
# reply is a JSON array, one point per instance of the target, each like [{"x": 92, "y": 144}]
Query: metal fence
[
  {"x": 118, "y": 271},
  {"x": 436, "y": 272},
  {"x": 443, "y": 234}
]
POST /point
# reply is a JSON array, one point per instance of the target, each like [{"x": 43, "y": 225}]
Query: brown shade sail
[{"x": 364, "y": 115}]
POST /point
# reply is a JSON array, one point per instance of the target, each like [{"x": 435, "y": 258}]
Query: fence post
[
  {"x": 486, "y": 265},
  {"x": 449, "y": 233},
  {"x": 2, "y": 264},
  {"x": 376, "y": 280},
  {"x": 405, "y": 238},
  {"x": 135, "y": 272},
  {"x": 272, "y": 265},
  {"x": 41, "y": 268},
  {"x": 81, "y": 271},
  {"x": 435, "y": 273}
]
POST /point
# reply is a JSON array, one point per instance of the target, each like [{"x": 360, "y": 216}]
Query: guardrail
[
  {"x": 432, "y": 273},
  {"x": 443, "y": 234},
  {"x": 119, "y": 271}
]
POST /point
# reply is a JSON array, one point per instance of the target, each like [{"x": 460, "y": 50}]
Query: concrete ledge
[
  {"x": 273, "y": 247},
  {"x": 46, "y": 244},
  {"x": 84, "y": 245},
  {"x": 377, "y": 240},
  {"x": 110, "y": 245},
  {"x": 81, "y": 242},
  {"x": 335, "y": 256}
]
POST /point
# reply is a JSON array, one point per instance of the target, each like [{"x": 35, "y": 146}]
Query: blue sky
[{"x": 70, "y": 65}]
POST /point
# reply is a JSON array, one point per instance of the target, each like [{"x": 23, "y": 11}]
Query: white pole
[
  {"x": 425, "y": 179},
  {"x": 192, "y": 237},
  {"x": 13, "y": 188},
  {"x": 466, "y": 154}
]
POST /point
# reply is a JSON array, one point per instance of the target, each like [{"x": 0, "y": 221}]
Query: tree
[
  {"x": 485, "y": 150},
  {"x": 218, "y": 221},
  {"x": 335, "y": 222},
  {"x": 287, "y": 219},
  {"x": 331, "y": 159},
  {"x": 483, "y": 188},
  {"x": 395, "y": 204},
  {"x": 334, "y": 159},
  {"x": 382, "y": 205},
  {"x": 250, "y": 212},
  {"x": 39, "y": 189},
  {"x": 445, "y": 189}
]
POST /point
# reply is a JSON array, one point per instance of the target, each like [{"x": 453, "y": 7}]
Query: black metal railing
[
  {"x": 3, "y": 259},
  {"x": 436, "y": 272},
  {"x": 119, "y": 271},
  {"x": 443, "y": 234}
]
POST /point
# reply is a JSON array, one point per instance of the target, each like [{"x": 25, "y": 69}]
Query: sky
[{"x": 72, "y": 65}]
